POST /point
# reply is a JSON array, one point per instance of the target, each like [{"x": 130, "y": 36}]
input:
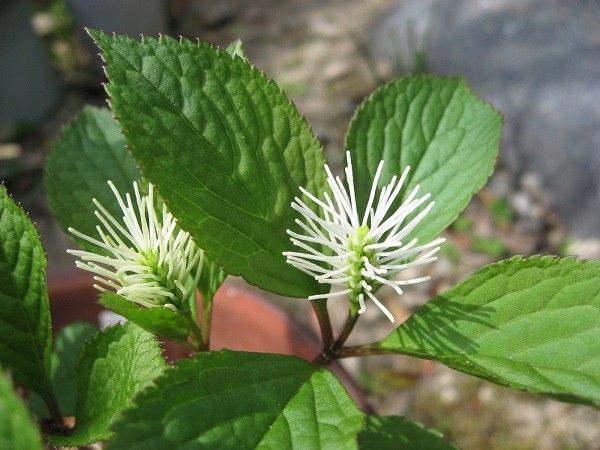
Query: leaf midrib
[
  {"x": 111, "y": 149},
  {"x": 30, "y": 335},
  {"x": 192, "y": 128},
  {"x": 446, "y": 357},
  {"x": 301, "y": 382},
  {"x": 478, "y": 307}
]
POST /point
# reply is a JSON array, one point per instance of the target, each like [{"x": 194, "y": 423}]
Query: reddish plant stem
[
  {"x": 320, "y": 309},
  {"x": 359, "y": 350},
  {"x": 330, "y": 352}
]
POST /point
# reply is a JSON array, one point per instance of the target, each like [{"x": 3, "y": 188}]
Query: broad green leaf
[
  {"x": 25, "y": 335},
  {"x": 238, "y": 400},
  {"x": 63, "y": 374},
  {"x": 235, "y": 49},
  {"x": 89, "y": 152},
  {"x": 397, "y": 433},
  {"x": 17, "y": 429},
  {"x": 114, "y": 365},
  {"x": 224, "y": 146},
  {"x": 159, "y": 321},
  {"x": 438, "y": 127},
  {"x": 527, "y": 323},
  {"x": 67, "y": 347}
]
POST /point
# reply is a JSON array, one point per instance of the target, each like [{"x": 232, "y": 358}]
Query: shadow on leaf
[{"x": 435, "y": 328}]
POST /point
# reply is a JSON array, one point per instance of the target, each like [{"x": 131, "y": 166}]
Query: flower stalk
[
  {"x": 320, "y": 309},
  {"x": 206, "y": 320}
]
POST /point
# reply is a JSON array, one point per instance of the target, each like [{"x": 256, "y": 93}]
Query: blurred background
[{"x": 537, "y": 61}]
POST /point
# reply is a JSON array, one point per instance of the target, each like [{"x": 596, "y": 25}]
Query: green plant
[{"x": 213, "y": 172}]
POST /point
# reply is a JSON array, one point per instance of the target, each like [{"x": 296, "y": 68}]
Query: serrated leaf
[
  {"x": 17, "y": 429},
  {"x": 528, "y": 323},
  {"x": 397, "y": 433},
  {"x": 437, "y": 126},
  {"x": 114, "y": 365},
  {"x": 25, "y": 335},
  {"x": 89, "y": 152},
  {"x": 67, "y": 347},
  {"x": 159, "y": 321},
  {"x": 63, "y": 374},
  {"x": 238, "y": 400},
  {"x": 224, "y": 146}
]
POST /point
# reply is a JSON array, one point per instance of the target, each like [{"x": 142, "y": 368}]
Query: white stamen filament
[
  {"x": 366, "y": 252},
  {"x": 147, "y": 259}
]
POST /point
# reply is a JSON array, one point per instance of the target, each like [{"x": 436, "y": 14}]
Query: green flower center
[
  {"x": 150, "y": 260},
  {"x": 356, "y": 262}
]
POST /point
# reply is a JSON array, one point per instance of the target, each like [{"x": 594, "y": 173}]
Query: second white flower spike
[
  {"x": 359, "y": 254},
  {"x": 147, "y": 258}
]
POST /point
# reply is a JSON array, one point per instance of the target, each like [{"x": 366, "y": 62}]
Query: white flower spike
[
  {"x": 362, "y": 253},
  {"x": 148, "y": 260}
]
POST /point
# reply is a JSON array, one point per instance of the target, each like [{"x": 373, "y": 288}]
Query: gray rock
[
  {"x": 29, "y": 88},
  {"x": 130, "y": 17},
  {"x": 538, "y": 61}
]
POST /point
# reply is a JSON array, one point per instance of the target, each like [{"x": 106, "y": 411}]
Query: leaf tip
[{"x": 96, "y": 35}]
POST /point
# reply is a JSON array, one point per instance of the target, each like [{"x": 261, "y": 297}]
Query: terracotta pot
[{"x": 241, "y": 321}]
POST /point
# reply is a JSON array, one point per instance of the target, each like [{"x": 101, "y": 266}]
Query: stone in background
[{"x": 538, "y": 61}]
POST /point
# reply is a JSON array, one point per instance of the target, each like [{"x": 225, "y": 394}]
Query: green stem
[
  {"x": 345, "y": 333},
  {"x": 320, "y": 308},
  {"x": 197, "y": 339},
  {"x": 207, "y": 305},
  {"x": 193, "y": 307},
  {"x": 360, "y": 350},
  {"x": 53, "y": 407}
]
